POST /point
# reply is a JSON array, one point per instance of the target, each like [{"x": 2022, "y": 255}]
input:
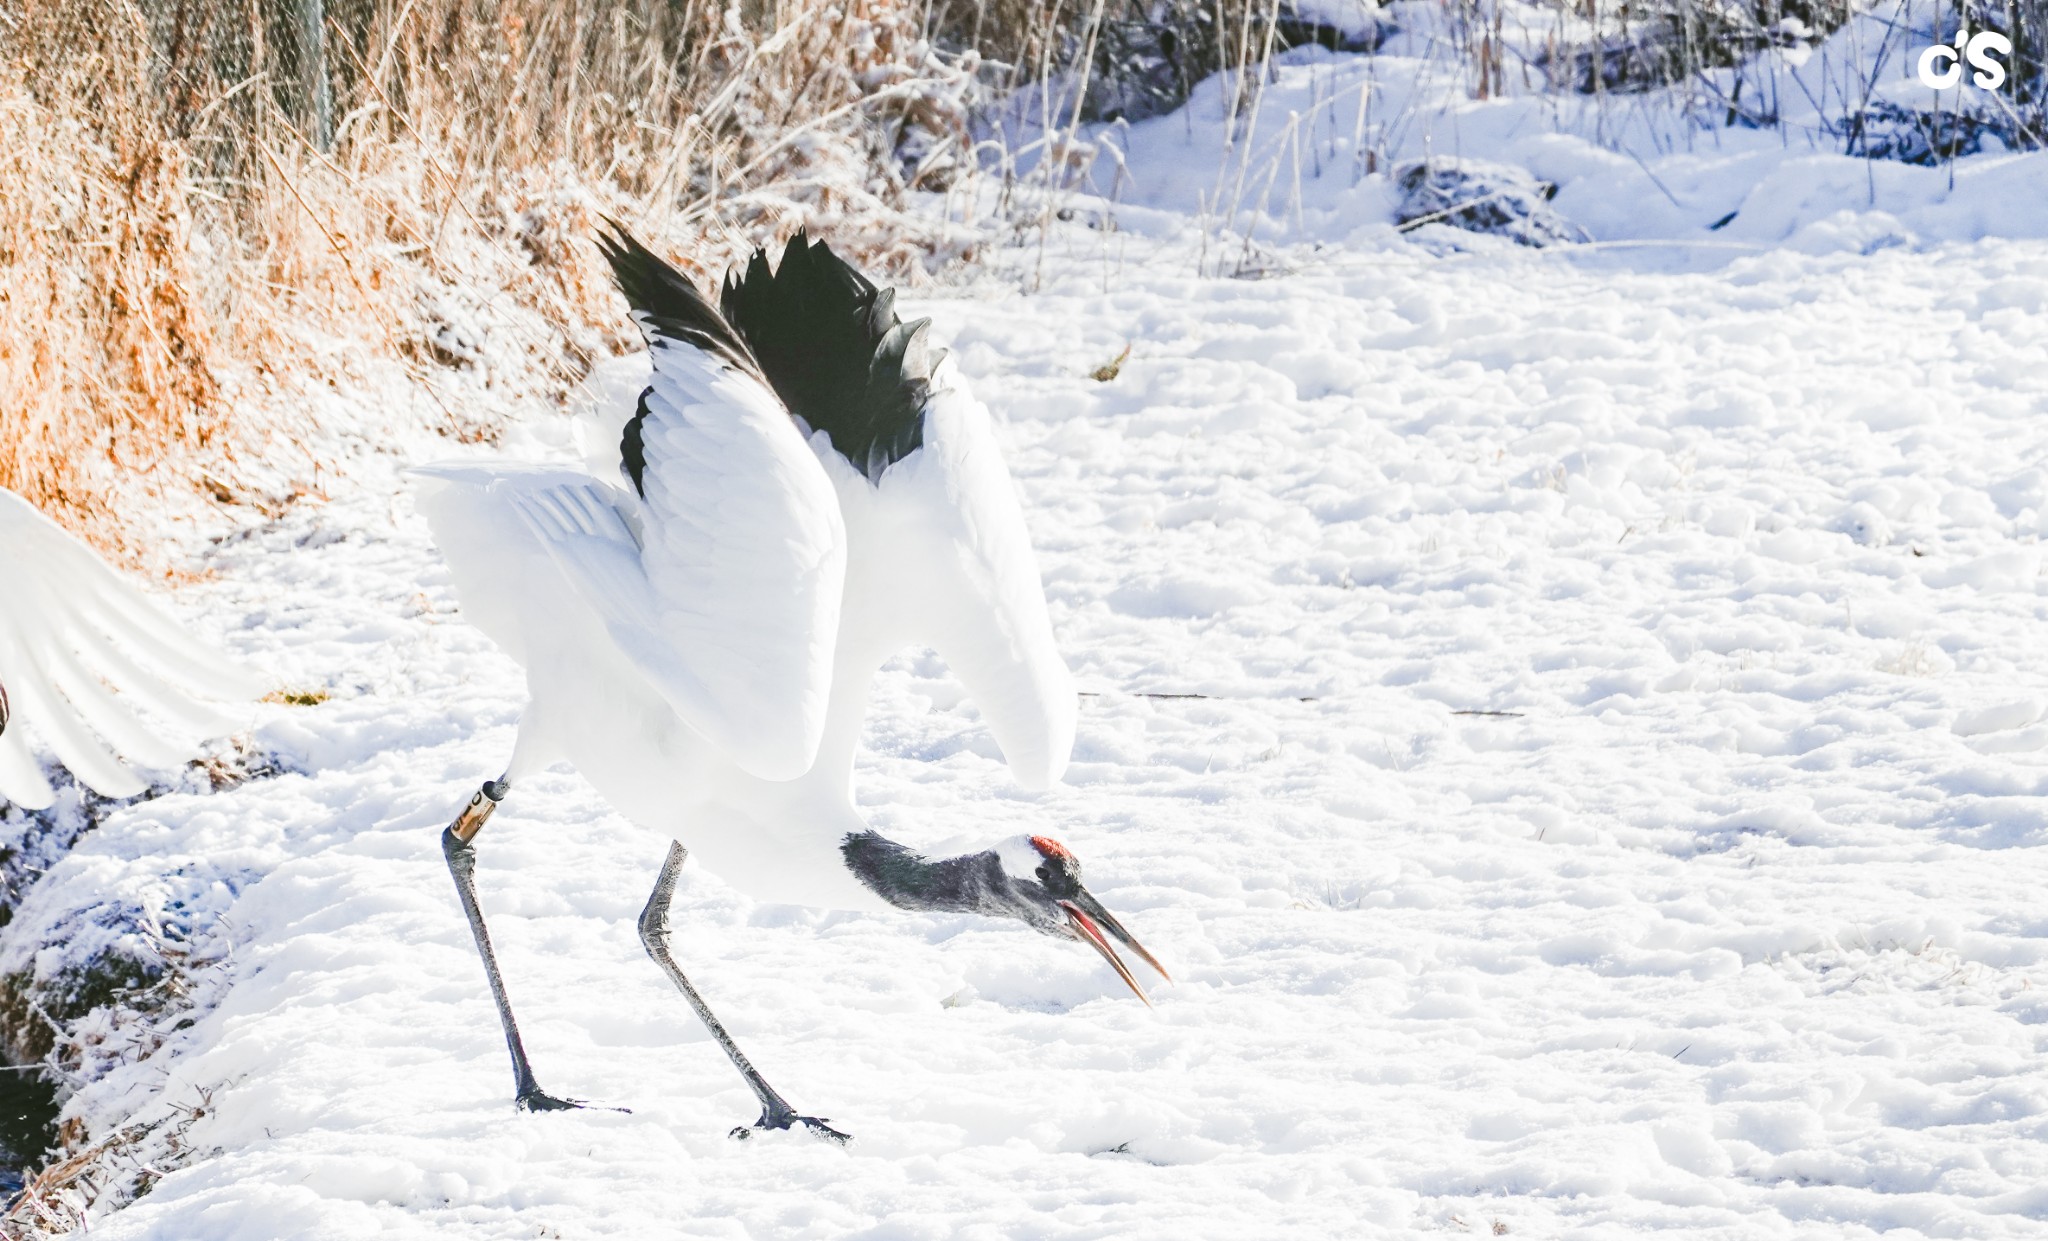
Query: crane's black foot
[
  {"x": 538, "y": 1100},
  {"x": 534, "y": 1099},
  {"x": 789, "y": 1120}
]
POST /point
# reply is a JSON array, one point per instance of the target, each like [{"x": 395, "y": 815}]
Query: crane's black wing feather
[
  {"x": 830, "y": 344},
  {"x": 667, "y": 307},
  {"x": 822, "y": 337}
]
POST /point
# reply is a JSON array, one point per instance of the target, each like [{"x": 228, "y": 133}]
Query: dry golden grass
[
  {"x": 105, "y": 353},
  {"x": 181, "y": 223}
]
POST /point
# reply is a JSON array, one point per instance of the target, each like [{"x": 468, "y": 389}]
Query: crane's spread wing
[
  {"x": 939, "y": 530},
  {"x": 712, "y": 636},
  {"x": 983, "y": 608},
  {"x": 741, "y": 545},
  {"x": 99, "y": 672},
  {"x": 745, "y": 558}
]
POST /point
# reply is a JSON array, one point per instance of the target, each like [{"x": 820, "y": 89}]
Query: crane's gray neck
[{"x": 972, "y": 882}]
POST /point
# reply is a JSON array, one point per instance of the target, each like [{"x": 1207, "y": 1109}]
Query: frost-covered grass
[
  {"x": 1614, "y": 804},
  {"x": 188, "y": 243}
]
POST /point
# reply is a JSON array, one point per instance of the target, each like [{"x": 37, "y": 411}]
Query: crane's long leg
[
  {"x": 461, "y": 855},
  {"x": 776, "y": 1113}
]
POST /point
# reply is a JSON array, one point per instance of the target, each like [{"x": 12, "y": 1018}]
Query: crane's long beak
[{"x": 1089, "y": 920}]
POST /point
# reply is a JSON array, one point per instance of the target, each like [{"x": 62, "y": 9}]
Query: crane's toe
[
  {"x": 814, "y": 1124},
  {"x": 534, "y": 1099}
]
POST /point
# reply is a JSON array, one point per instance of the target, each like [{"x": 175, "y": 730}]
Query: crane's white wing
[
  {"x": 85, "y": 657},
  {"x": 963, "y": 557},
  {"x": 745, "y": 556},
  {"x": 740, "y": 539},
  {"x": 722, "y": 584},
  {"x": 580, "y": 525}
]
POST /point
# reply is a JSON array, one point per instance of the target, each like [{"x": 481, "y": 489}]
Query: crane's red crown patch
[{"x": 1051, "y": 848}]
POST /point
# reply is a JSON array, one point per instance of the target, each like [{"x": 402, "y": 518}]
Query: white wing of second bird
[{"x": 99, "y": 672}]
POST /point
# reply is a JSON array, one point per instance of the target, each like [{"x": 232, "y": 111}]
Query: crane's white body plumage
[
  {"x": 704, "y": 654},
  {"x": 95, "y": 669}
]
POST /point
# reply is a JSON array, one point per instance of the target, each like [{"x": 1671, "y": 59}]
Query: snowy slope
[{"x": 1730, "y": 924}]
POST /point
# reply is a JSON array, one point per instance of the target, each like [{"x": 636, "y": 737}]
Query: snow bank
[{"x": 1311, "y": 164}]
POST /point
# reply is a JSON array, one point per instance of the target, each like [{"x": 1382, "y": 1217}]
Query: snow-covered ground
[
  {"x": 1576, "y": 725},
  {"x": 1614, "y": 804}
]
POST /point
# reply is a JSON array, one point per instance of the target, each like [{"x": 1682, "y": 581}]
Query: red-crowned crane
[
  {"x": 804, "y": 488},
  {"x": 72, "y": 634}
]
